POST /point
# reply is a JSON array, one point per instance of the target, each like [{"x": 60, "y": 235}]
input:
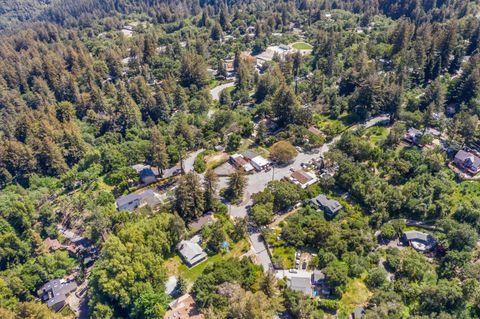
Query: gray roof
[
  {"x": 249, "y": 154},
  {"x": 150, "y": 198},
  {"x": 329, "y": 204},
  {"x": 358, "y": 312},
  {"x": 191, "y": 252},
  {"x": 317, "y": 276},
  {"x": 419, "y": 236},
  {"x": 125, "y": 200},
  {"x": 301, "y": 284},
  {"x": 463, "y": 156},
  {"x": 56, "y": 291},
  {"x": 414, "y": 132}
]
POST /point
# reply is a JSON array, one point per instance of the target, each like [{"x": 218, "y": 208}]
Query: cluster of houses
[
  {"x": 56, "y": 292},
  {"x": 250, "y": 161}
]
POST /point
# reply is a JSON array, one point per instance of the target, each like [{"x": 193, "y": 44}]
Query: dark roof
[
  {"x": 146, "y": 172},
  {"x": 330, "y": 204}
]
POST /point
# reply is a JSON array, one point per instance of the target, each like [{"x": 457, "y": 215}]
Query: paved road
[
  {"x": 258, "y": 181},
  {"x": 215, "y": 92},
  {"x": 190, "y": 160}
]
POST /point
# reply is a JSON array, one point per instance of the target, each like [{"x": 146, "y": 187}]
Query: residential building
[
  {"x": 128, "y": 202},
  {"x": 55, "y": 293},
  {"x": 301, "y": 284},
  {"x": 239, "y": 162},
  {"x": 191, "y": 252},
  {"x": 183, "y": 308},
  {"x": 419, "y": 241},
  {"x": 197, "y": 224},
  {"x": 303, "y": 178},
  {"x": 258, "y": 162},
  {"x": 413, "y": 135},
  {"x": 146, "y": 173},
  {"x": 131, "y": 202},
  {"x": 329, "y": 206},
  {"x": 467, "y": 161},
  {"x": 358, "y": 312}
]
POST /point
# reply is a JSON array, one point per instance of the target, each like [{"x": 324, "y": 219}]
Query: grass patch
[
  {"x": 302, "y": 46},
  {"x": 175, "y": 265},
  {"x": 285, "y": 255},
  {"x": 356, "y": 294},
  {"x": 377, "y": 134}
]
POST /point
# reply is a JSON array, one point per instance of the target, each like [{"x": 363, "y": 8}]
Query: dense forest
[{"x": 88, "y": 89}]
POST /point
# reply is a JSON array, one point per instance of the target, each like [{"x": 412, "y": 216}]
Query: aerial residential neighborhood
[{"x": 242, "y": 159}]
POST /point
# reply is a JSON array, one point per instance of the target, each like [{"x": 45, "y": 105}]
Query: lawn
[
  {"x": 175, "y": 265},
  {"x": 356, "y": 294},
  {"x": 377, "y": 134},
  {"x": 302, "y": 46}
]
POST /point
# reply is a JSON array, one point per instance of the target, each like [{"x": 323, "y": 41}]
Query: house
[
  {"x": 413, "y": 135},
  {"x": 303, "y": 178},
  {"x": 467, "y": 161},
  {"x": 419, "y": 241},
  {"x": 183, "y": 308},
  {"x": 319, "y": 280},
  {"x": 128, "y": 202},
  {"x": 146, "y": 173},
  {"x": 197, "y": 224},
  {"x": 329, "y": 206},
  {"x": 358, "y": 312},
  {"x": 55, "y": 293},
  {"x": 257, "y": 161},
  {"x": 238, "y": 161},
  {"x": 191, "y": 252},
  {"x": 301, "y": 284},
  {"x": 52, "y": 245},
  {"x": 315, "y": 131},
  {"x": 131, "y": 202}
]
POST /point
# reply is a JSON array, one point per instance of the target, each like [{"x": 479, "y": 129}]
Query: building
[
  {"x": 197, "y": 224},
  {"x": 419, "y": 241},
  {"x": 329, "y": 206},
  {"x": 131, "y": 202},
  {"x": 301, "y": 284},
  {"x": 55, "y": 293},
  {"x": 128, "y": 202},
  {"x": 238, "y": 161},
  {"x": 315, "y": 131},
  {"x": 467, "y": 161},
  {"x": 52, "y": 245},
  {"x": 258, "y": 162},
  {"x": 413, "y": 135},
  {"x": 303, "y": 178},
  {"x": 146, "y": 173},
  {"x": 191, "y": 252},
  {"x": 183, "y": 308},
  {"x": 358, "y": 312}
]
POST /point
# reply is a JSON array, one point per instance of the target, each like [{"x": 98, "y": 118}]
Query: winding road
[{"x": 215, "y": 92}]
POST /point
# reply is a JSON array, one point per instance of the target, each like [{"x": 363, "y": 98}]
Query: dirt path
[{"x": 280, "y": 218}]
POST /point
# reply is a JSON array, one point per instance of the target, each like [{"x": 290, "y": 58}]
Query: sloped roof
[
  {"x": 301, "y": 176},
  {"x": 125, "y": 200},
  {"x": 191, "y": 252},
  {"x": 331, "y": 204}
]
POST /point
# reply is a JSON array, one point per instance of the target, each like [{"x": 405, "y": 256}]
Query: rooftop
[
  {"x": 302, "y": 177},
  {"x": 191, "y": 252},
  {"x": 183, "y": 308},
  {"x": 330, "y": 204}
]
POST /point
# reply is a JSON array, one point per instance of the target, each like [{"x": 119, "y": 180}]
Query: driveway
[
  {"x": 215, "y": 92},
  {"x": 260, "y": 251}
]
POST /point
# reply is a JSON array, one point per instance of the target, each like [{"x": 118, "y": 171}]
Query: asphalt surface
[
  {"x": 215, "y": 92},
  {"x": 258, "y": 181}
]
